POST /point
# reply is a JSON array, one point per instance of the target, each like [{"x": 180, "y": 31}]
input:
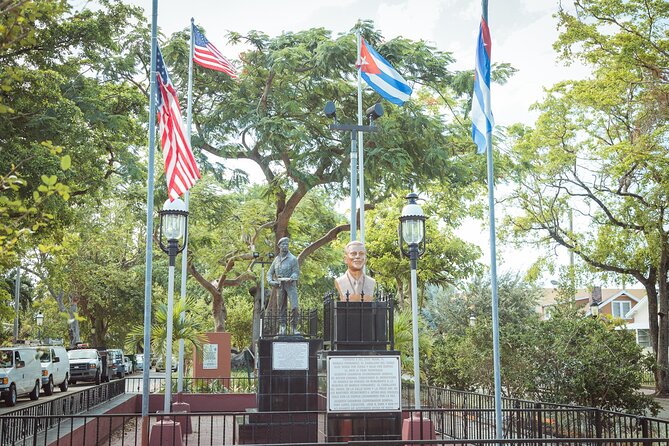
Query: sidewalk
[{"x": 664, "y": 402}]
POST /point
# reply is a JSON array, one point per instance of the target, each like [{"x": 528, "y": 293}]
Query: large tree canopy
[
  {"x": 272, "y": 116},
  {"x": 66, "y": 125},
  {"x": 600, "y": 147}
]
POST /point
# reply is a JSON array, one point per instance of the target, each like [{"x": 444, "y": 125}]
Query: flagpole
[
  {"x": 149, "y": 225},
  {"x": 184, "y": 254},
  {"x": 361, "y": 157},
  {"x": 493, "y": 268}
]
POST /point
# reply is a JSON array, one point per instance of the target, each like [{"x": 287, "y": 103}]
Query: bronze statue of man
[
  {"x": 354, "y": 281},
  {"x": 283, "y": 274}
]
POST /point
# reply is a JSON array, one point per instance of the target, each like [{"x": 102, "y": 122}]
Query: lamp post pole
[
  {"x": 173, "y": 226},
  {"x": 40, "y": 320},
  {"x": 413, "y": 259},
  {"x": 412, "y": 234},
  {"x": 17, "y": 295},
  {"x": 373, "y": 112}
]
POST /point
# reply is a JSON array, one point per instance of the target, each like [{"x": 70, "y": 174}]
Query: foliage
[
  {"x": 567, "y": 359},
  {"x": 66, "y": 125},
  {"x": 590, "y": 362},
  {"x": 404, "y": 342},
  {"x": 240, "y": 321},
  {"x": 599, "y": 147},
  {"x": 447, "y": 260},
  {"x": 189, "y": 329}
]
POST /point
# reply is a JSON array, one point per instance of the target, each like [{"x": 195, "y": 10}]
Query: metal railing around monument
[
  {"x": 353, "y": 325},
  {"x": 306, "y": 323}
]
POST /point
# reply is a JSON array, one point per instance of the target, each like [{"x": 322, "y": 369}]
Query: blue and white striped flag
[
  {"x": 482, "y": 120},
  {"x": 382, "y": 77}
]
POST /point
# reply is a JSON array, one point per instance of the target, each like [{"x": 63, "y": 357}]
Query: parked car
[
  {"x": 20, "y": 374},
  {"x": 55, "y": 368},
  {"x": 160, "y": 364},
  {"x": 139, "y": 362},
  {"x": 117, "y": 362},
  {"x": 85, "y": 365},
  {"x": 127, "y": 362}
]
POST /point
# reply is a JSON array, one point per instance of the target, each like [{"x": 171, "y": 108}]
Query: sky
[{"x": 522, "y": 33}]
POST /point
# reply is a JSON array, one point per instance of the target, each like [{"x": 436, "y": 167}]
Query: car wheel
[
  {"x": 34, "y": 395},
  {"x": 48, "y": 388},
  {"x": 97, "y": 378},
  {"x": 63, "y": 385},
  {"x": 10, "y": 398}
]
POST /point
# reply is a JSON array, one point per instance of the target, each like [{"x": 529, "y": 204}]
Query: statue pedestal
[{"x": 287, "y": 382}]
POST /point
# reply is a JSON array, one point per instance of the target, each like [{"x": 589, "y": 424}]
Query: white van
[
  {"x": 55, "y": 368},
  {"x": 20, "y": 373}
]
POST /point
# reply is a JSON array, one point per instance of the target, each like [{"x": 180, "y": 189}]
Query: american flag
[
  {"x": 207, "y": 55},
  {"x": 482, "y": 119},
  {"x": 180, "y": 168}
]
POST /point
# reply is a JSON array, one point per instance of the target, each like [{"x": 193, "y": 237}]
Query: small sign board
[
  {"x": 210, "y": 356},
  {"x": 364, "y": 384},
  {"x": 290, "y": 356}
]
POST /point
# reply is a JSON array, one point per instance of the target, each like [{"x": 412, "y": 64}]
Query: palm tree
[{"x": 189, "y": 329}]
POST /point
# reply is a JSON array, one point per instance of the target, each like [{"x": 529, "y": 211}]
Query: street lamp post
[
  {"x": 594, "y": 309},
  {"x": 39, "y": 318},
  {"x": 373, "y": 112},
  {"x": 412, "y": 244},
  {"x": 173, "y": 227}
]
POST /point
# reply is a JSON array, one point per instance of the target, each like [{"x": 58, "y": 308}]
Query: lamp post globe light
[
  {"x": 594, "y": 309},
  {"x": 173, "y": 228},
  {"x": 39, "y": 318},
  {"x": 412, "y": 244}
]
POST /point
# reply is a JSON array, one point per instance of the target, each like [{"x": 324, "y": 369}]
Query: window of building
[
  {"x": 643, "y": 338},
  {"x": 620, "y": 308}
]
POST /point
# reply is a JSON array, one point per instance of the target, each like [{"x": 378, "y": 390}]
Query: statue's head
[
  {"x": 355, "y": 255},
  {"x": 283, "y": 245}
]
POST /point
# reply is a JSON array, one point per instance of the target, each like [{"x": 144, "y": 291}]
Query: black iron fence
[
  {"x": 17, "y": 425},
  {"x": 532, "y": 419},
  {"x": 195, "y": 385},
  {"x": 305, "y": 322},
  {"x": 451, "y": 426}
]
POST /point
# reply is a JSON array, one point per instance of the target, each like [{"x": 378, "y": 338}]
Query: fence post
[
  {"x": 598, "y": 423},
  {"x": 540, "y": 424},
  {"x": 645, "y": 433}
]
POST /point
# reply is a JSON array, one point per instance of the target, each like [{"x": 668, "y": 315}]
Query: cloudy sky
[{"x": 522, "y": 32}]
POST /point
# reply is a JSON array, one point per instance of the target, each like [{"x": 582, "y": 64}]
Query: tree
[
  {"x": 461, "y": 348},
  {"x": 599, "y": 147},
  {"x": 66, "y": 125},
  {"x": 272, "y": 117}
]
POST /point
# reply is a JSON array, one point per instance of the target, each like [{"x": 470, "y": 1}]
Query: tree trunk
[{"x": 219, "y": 311}]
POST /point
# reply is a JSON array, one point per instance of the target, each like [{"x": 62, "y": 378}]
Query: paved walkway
[{"x": 663, "y": 402}]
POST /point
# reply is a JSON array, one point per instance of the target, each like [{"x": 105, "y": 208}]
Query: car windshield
[
  {"x": 6, "y": 358},
  {"x": 82, "y": 354},
  {"x": 44, "y": 355}
]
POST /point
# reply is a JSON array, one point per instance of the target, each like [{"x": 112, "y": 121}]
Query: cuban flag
[
  {"x": 381, "y": 76},
  {"x": 482, "y": 119}
]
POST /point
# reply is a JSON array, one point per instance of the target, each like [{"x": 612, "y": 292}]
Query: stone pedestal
[
  {"x": 165, "y": 433},
  {"x": 363, "y": 392},
  {"x": 184, "y": 420},
  {"x": 417, "y": 428},
  {"x": 287, "y": 382}
]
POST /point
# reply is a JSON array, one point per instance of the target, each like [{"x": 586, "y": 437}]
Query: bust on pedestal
[{"x": 354, "y": 283}]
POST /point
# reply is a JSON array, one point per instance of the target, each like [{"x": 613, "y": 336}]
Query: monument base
[
  {"x": 417, "y": 428},
  {"x": 165, "y": 433}
]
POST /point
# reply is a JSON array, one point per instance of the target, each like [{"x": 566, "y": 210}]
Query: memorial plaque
[
  {"x": 290, "y": 356},
  {"x": 210, "y": 356},
  {"x": 364, "y": 384}
]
